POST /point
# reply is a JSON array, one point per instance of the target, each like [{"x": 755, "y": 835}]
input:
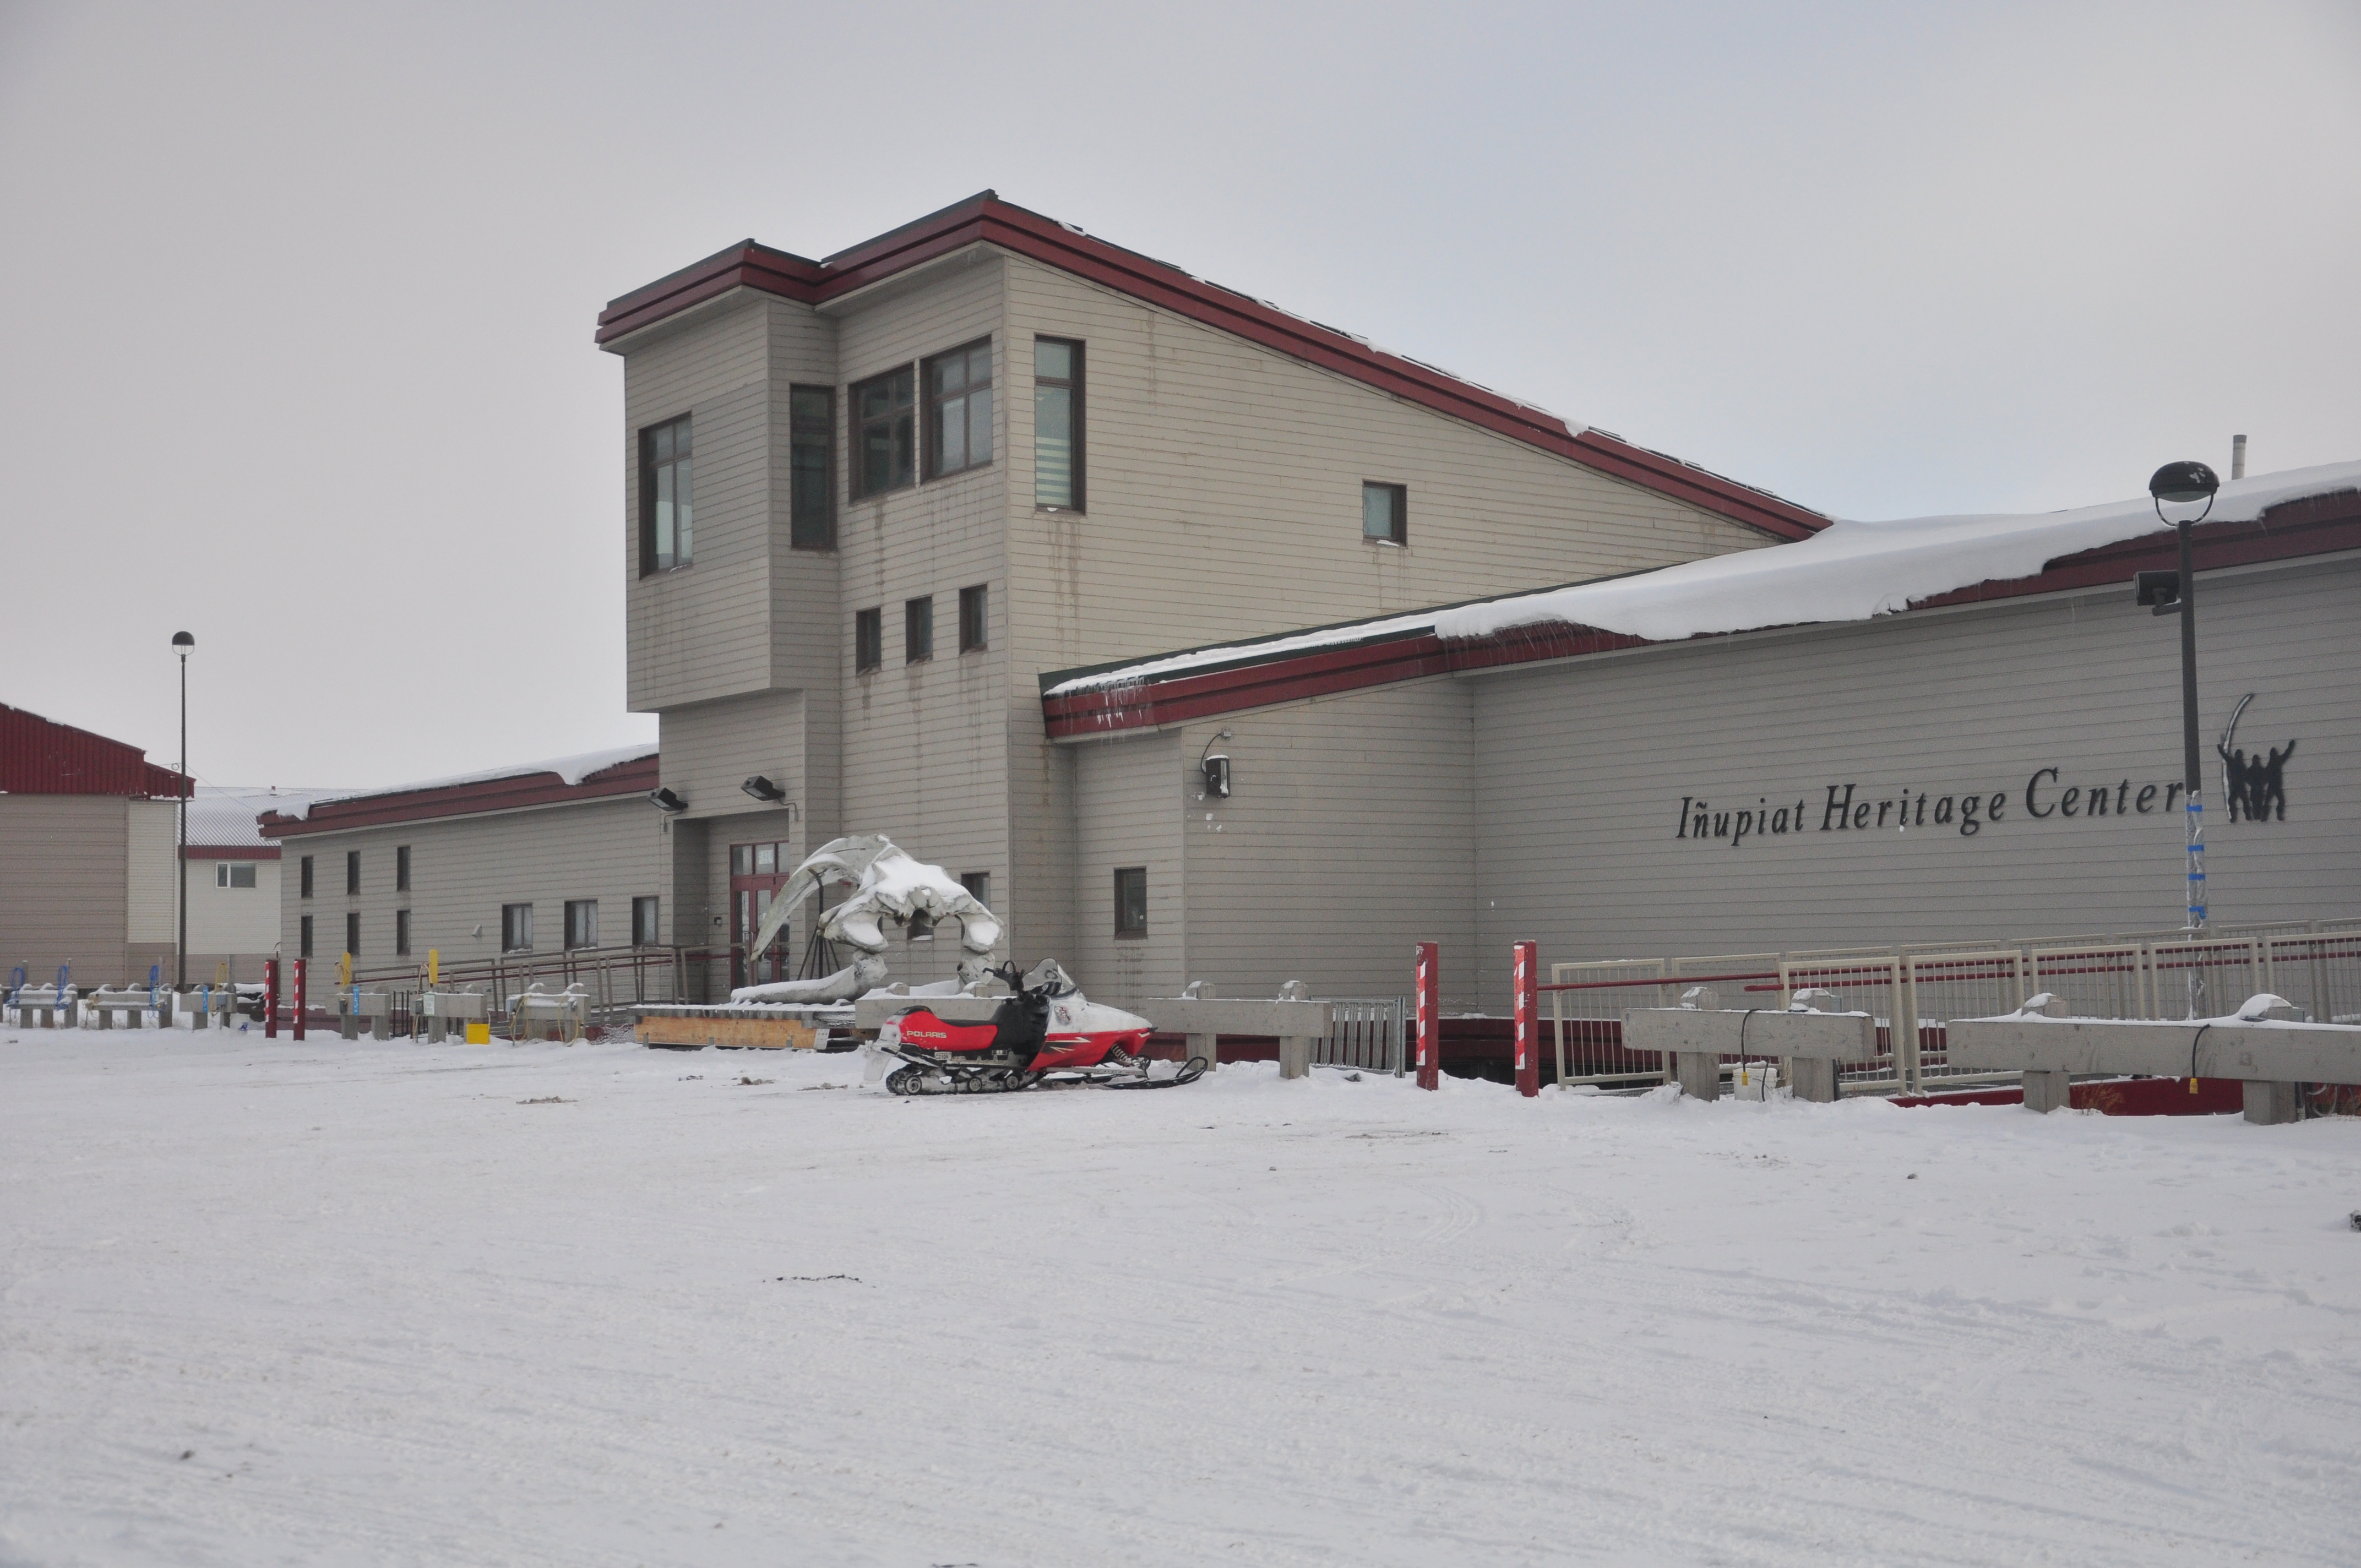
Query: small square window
[
  {"x": 975, "y": 619},
  {"x": 401, "y": 869},
  {"x": 516, "y": 927},
  {"x": 353, "y": 932},
  {"x": 581, "y": 921},
  {"x": 868, "y": 639},
  {"x": 978, "y": 885},
  {"x": 1385, "y": 513},
  {"x": 917, "y": 629},
  {"x": 644, "y": 930},
  {"x": 352, "y": 871},
  {"x": 1131, "y": 901},
  {"x": 241, "y": 873},
  {"x": 766, "y": 859},
  {"x": 402, "y": 931},
  {"x": 304, "y": 943}
]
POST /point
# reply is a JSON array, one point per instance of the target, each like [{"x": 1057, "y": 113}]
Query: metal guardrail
[{"x": 1364, "y": 1031}]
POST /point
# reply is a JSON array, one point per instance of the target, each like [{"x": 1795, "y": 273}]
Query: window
[
  {"x": 666, "y": 511},
  {"x": 305, "y": 943},
  {"x": 1131, "y": 901},
  {"x": 402, "y": 931},
  {"x": 811, "y": 467},
  {"x": 234, "y": 873},
  {"x": 883, "y": 443},
  {"x": 307, "y": 890},
  {"x": 917, "y": 629},
  {"x": 353, "y": 932},
  {"x": 959, "y": 409},
  {"x": 978, "y": 885},
  {"x": 516, "y": 927},
  {"x": 1057, "y": 425},
  {"x": 581, "y": 921},
  {"x": 1385, "y": 513},
  {"x": 975, "y": 627},
  {"x": 644, "y": 930},
  {"x": 868, "y": 639},
  {"x": 401, "y": 869},
  {"x": 352, "y": 871}
]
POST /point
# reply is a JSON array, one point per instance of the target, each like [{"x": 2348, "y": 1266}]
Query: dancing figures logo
[{"x": 2254, "y": 787}]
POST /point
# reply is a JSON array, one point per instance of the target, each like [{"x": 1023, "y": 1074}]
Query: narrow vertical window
[
  {"x": 304, "y": 942},
  {"x": 221, "y": 873},
  {"x": 1058, "y": 424},
  {"x": 581, "y": 921},
  {"x": 1385, "y": 513},
  {"x": 516, "y": 927},
  {"x": 307, "y": 889},
  {"x": 353, "y": 933},
  {"x": 665, "y": 509},
  {"x": 975, "y": 608},
  {"x": 959, "y": 409},
  {"x": 401, "y": 868},
  {"x": 1131, "y": 901},
  {"x": 868, "y": 639},
  {"x": 811, "y": 463},
  {"x": 352, "y": 871},
  {"x": 644, "y": 929},
  {"x": 978, "y": 885},
  {"x": 917, "y": 629},
  {"x": 884, "y": 440},
  {"x": 402, "y": 932}
]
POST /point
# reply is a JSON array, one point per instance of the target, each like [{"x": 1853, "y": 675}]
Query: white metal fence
[
  {"x": 1364, "y": 1031},
  {"x": 1915, "y": 992}
]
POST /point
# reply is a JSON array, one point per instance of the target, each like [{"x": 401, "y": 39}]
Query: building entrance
[{"x": 757, "y": 873}]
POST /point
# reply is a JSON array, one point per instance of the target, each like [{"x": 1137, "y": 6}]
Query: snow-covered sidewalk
[{"x": 262, "y": 1302}]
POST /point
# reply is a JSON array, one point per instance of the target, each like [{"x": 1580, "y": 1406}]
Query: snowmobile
[{"x": 1046, "y": 1031}]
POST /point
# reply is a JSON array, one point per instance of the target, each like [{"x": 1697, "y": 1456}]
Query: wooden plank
[{"x": 693, "y": 1029}]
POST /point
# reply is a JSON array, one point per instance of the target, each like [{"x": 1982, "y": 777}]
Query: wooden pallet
[{"x": 704, "y": 1029}]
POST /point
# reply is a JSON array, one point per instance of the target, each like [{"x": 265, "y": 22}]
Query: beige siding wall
[
  {"x": 63, "y": 894},
  {"x": 1348, "y": 838},
  {"x": 1132, "y": 796},
  {"x": 1582, "y": 768},
  {"x": 151, "y": 841},
  {"x": 704, "y": 631},
  {"x": 231, "y": 923},
  {"x": 462, "y": 870},
  {"x": 925, "y": 746}
]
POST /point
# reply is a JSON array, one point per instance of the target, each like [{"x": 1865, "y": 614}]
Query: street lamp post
[
  {"x": 182, "y": 644},
  {"x": 2181, "y": 485}
]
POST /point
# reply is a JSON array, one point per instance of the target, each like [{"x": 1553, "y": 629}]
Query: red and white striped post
[
  {"x": 300, "y": 998},
  {"x": 1526, "y": 975},
  {"x": 270, "y": 999},
  {"x": 1430, "y": 1015}
]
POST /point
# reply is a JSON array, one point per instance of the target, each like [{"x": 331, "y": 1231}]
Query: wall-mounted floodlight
[
  {"x": 665, "y": 800},
  {"x": 1215, "y": 767},
  {"x": 763, "y": 790}
]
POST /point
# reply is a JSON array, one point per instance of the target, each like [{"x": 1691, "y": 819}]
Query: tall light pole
[
  {"x": 2181, "y": 485},
  {"x": 182, "y": 644}
]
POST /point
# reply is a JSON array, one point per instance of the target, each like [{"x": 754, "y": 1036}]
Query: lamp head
[
  {"x": 763, "y": 789},
  {"x": 183, "y": 643},
  {"x": 666, "y": 801},
  {"x": 2183, "y": 482}
]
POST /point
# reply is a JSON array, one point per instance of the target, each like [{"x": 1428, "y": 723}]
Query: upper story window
[
  {"x": 959, "y": 409},
  {"x": 868, "y": 639},
  {"x": 352, "y": 871},
  {"x": 401, "y": 868},
  {"x": 307, "y": 885},
  {"x": 1385, "y": 513},
  {"x": 917, "y": 629},
  {"x": 1131, "y": 901},
  {"x": 975, "y": 619},
  {"x": 811, "y": 462},
  {"x": 665, "y": 511},
  {"x": 885, "y": 438},
  {"x": 1058, "y": 424},
  {"x": 233, "y": 874}
]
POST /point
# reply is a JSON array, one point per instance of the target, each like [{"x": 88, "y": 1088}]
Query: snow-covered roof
[
  {"x": 221, "y": 816},
  {"x": 572, "y": 769},
  {"x": 1847, "y": 571}
]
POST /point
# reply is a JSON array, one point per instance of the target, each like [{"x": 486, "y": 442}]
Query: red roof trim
[
  {"x": 40, "y": 756},
  {"x": 635, "y": 777},
  {"x": 233, "y": 851},
  {"x": 2320, "y": 526},
  {"x": 986, "y": 218}
]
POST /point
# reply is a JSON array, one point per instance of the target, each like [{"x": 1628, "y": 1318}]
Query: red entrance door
[{"x": 757, "y": 872}]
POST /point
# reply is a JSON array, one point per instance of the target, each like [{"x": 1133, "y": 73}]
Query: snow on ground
[{"x": 263, "y": 1302}]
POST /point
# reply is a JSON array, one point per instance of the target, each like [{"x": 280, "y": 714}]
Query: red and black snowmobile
[{"x": 1046, "y": 1031}]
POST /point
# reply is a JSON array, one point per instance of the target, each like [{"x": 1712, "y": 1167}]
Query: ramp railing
[{"x": 1365, "y": 1032}]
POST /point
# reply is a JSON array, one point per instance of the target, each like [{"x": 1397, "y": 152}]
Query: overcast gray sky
[{"x": 299, "y": 298}]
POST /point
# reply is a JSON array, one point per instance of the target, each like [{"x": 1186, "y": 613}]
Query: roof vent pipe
[{"x": 2237, "y": 457}]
